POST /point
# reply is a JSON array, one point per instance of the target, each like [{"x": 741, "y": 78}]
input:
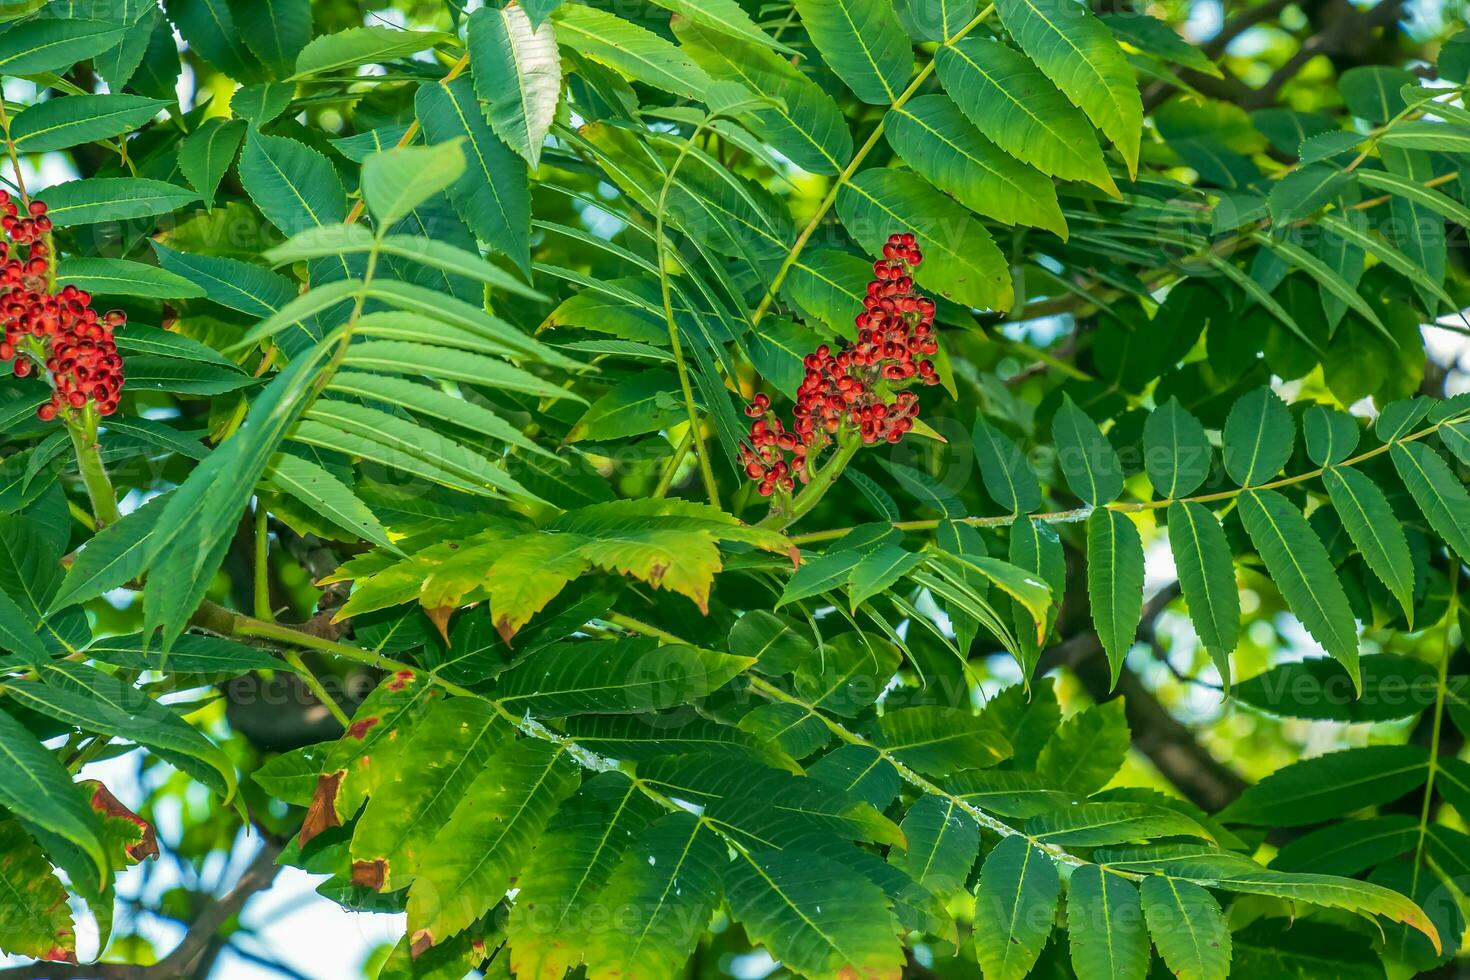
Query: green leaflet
[
  {"x": 1394, "y": 686},
  {"x": 61, "y": 123},
  {"x": 54, "y": 45},
  {"x": 961, "y": 260},
  {"x": 121, "y": 277},
  {"x": 1328, "y": 278},
  {"x": 1078, "y": 53},
  {"x": 936, "y": 140},
  {"x": 1349, "y": 847},
  {"x": 935, "y": 20},
  {"x": 1374, "y": 92},
  {"x": 405, "y": 445},
  {"x": 877, "y": 571},
  {"x": 1304, "y": 191},
  {"x": 1259, "y": 435},
  {"x": 614, "y": 676},
  {"x": 206, "y": 153},
  {"x": 638, "y": 53},
  {"x": 18, "y": 634},
  {"x": 655, "y": 943},
  {"x": 209, "y": 28},
  {"x": 79, "y": 202},
  {"x": 99, "y": 702},
  {"x": 863, "y": 43},
  {"x": 829, "y": 284},
  {"x": 36, "y": 785},
  {"x": 263, "y": 102},
  {"x": 396, "y": 181},
  {"x": 792, "y": 729},
  {"x": 1420, "y": 230},
  {"x": 822, "y": 573},
  {"x": 1035, "y": 547},
  {"x": 1332, "y": 436},
  {"x": 1014, "y": 105},
  {"x": 805, "y": 124},
  {"x": 776, "y": 643},
  {"x": 277, "y": 31},
  {"x": 493, "y": 195},
  {"x": 1329, "y": 785},
  {"x": 447, "y": 751},
  {"x": 361, "y": 46},
  {"x": 1105, "y": 926},
  {"x": 1087, "y": 750},
  {"x": 114, "y": 557},
  {"x": 1437, "y": 491},
  {"x": 725, "y": 18},
  {"x": 193, "y": 654},
  {"x": 448, "y": 365},
  {"x": 517, "y": 76},
  {"x": 1098, "y": 824},
  {"x": 1261, "y": 295},
  {"x": 848, "y": 673},
  {"x": 1008, "y": 478},
  {"x": 1177, "y": 453},
  {"x": 293, "y": 185},
  {"x": 549, "y": 925},
  {"x": 1160, "y": 40},
  {"x": 480, "y": 851},
  {"x": 943, "y": 843},
  {"x": 937, "y": 741},
  {"x": 1114, "y": 582},
  {"x": 1371, "y": 523},
  {"x": 644, "y": 402},
  {"x": 319, "y": 490},
  {"x": 1014, "y": 906},
  {"x": 1299, "y": 566},
  {"x": 1188, "y": 928},
  {"x": 1207, "y": 579},
  {"x": 1086, "y": 458},
  {"x": 817, "y": 916},
  {"x": 433, "y": 402},
  {"x": 1387, "y": 254}
]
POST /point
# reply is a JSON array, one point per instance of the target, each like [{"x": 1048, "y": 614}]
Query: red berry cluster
[
  {"x": 856, "y": 386},
  {"x": 60, "y": 332}
]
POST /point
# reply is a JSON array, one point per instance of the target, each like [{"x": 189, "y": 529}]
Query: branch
[{"x": 202, "y": 931}]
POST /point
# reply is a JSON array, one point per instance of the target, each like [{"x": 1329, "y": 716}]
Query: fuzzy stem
[{"x": 83, "y": 434}]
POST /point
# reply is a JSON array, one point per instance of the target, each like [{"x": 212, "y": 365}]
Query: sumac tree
[{"x": 879, "y": 484}]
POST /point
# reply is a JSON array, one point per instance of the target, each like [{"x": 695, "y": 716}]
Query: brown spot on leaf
[
  {"x": 505, "y": 629},
  {"x": 370, "y": 874},
  {"x": 656, "y": 573},
  {"x": 321, "y": 815},
  {"x": 59, "y": 954},
  {"x": 795, "y": 554},
  {"x": 423, "y": 941},
  {"x": 146, "y": 846},
  {"x": 401, "y": 680},
  {"x": 359, "y": 729}
]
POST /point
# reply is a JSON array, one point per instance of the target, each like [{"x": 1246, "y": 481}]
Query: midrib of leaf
[
  {"x": 847, "y": 172},
  {"x": 841, "y": 5},
  {"x": 1194, "y": 941},
  {"x": 938, "y": 839},
  {"x": 1451, "y": 617},
  {"x": 1077, "y": 514},
  {"x": 236, "y": 624},
  {"x": 1301, "y": 573}
]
